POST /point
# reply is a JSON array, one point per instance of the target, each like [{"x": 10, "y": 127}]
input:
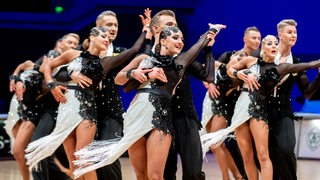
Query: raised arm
[{"x": 206, "y": 72}]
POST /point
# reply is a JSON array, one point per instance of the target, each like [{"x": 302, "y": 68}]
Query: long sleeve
[
  {"x": 185, "y": 59},
  {"x": 110, "y": 62},
  {"x": 206, "y": 72}
]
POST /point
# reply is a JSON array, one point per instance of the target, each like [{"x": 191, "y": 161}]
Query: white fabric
[
  {"x": 240, "y": 116},
  {"x": 206, "y": 112},
  {"x": 13, "y": 118},
  {"x": 289, "y": 59},
  {"x": 137, "y": 122},
  {"x": 67, "y": 120}
]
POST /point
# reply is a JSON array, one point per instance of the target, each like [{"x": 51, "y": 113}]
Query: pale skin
[
  {"x": 144, "y": 153},
  {"x": 83, "y": 134},
  {"x": 218, "y": 122},
  {"x": 23, "y": 130},
  {"x": 110, "y": 21},
  {"x": 256, "y": 129},
  {"x": 251, "y": 41}
]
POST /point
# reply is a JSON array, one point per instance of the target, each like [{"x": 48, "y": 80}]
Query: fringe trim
[{"x": 215, "y": 139}]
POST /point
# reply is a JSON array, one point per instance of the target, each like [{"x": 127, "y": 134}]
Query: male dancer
[{"x": 282, "y": 132}]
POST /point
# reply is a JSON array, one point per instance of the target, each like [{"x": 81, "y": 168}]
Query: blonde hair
[
  {"x": 72, "y": 35},
  {"x": 155, "y": 18},
  {"x": 286, "y": 22},
  {"x": 252, "y": 28},
  {"x": 264, "y": 41}
]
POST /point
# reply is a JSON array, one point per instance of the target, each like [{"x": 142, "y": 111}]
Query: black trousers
[
  {"x": 187, "y": 144},
  {"x": 49, "y": 169},
  {"x": 110, "y": 128},
  {"x": 281, "y": 144}
]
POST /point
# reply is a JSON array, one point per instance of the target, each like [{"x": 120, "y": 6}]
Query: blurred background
[{"x": 29, "y": 28}]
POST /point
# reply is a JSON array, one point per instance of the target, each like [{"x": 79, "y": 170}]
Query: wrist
[
  {"x": 14, "y": 77},
  {"x": 235, "y": 73},
  {"x": 129, "y": 74},
  {"x": 50, "y": 85}
]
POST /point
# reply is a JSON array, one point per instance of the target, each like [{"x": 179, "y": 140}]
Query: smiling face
[
  {"x": 171, "y": 41},
  {"x": 99, "y": 38},
  {"x": 252, "y": 40},
  {"x": 269, "y": 48}
]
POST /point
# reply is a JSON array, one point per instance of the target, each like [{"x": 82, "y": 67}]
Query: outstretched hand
[
  {"x": 217, "y": 27},
  {"x": 146, "y": 18}
]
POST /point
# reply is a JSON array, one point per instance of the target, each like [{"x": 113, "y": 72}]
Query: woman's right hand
[
  {"x": 58, "y": 95},
  {"x": 213, "y": 90},
  {"x": 81, "y": 79}
]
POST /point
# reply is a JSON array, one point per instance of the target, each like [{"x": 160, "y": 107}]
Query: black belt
[
  {"x": 86, "y": 90},
  {"x": 155, "y": 91},
  {"x": 255, "y": 93}
]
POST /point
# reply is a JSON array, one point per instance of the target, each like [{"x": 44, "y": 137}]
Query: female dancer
[
  {"x": 250, "y": 115},
  {"x": 76, "y": 121},
  {"x": 217, "y": 112},
  {"x": 147, "y": 124},
  {"x": 25, "y": 110}
]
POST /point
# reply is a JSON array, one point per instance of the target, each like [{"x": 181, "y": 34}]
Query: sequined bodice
[
  {"x": 171, "y": 70},
  {"x": 223, "y": 80},
  {"x": 269, "y": 77},
  {"x": 90, "y": 66}
]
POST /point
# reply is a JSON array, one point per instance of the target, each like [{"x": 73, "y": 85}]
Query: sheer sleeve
[
  {"x": 110, "y": 62},
  {"x": 286, "y": 68},
  {"x": 311, "y": 88},
  {"x": 206, "y": 72},
  {"x": 186, "y": 58}
]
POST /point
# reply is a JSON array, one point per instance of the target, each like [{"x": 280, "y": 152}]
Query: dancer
[
  {"x": 251, "y": 39},
  {"x": 217, "y": 112},
  {"x": 147, "y": 124},
  {"x": 109, "y": 102},
  {"x": 281, "y": 118},
  {"x": 74, "y": 128},
  {"x": 250, "y": 116},
  {"x": 32, "y": 99}
]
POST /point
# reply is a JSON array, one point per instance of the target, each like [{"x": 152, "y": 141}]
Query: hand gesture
[
  {"x": 146, "y": 18},
  {"x": 213, "y": 90},
  {"x": 12, "y": 85},
  {"x": 58, "y": 95},
  {"x": 158, "y": 73},
  {"x": 81, "y": 79},
  {"x": 19, "y": 90},
  {"x": 140, "y": 74}
]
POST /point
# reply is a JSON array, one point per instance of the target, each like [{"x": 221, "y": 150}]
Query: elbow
[{"x": 118, "y": 81}]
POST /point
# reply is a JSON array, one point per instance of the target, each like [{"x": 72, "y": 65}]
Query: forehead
[
  {"x": 289, "y": 28},
  {"x": 70, "y": 38},
  {"x": 166, "y": 19},
  {"x": 271, "y": 39},
  {"x": 108, "y": 19},
  {"x": 178, "y": 33},
  {"x": 252, "y": 33}
]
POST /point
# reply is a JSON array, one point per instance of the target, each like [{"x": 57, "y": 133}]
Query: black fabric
[{"x": 188, "y": 145}]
